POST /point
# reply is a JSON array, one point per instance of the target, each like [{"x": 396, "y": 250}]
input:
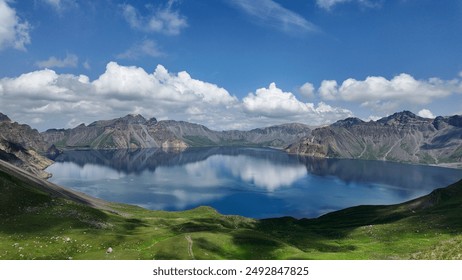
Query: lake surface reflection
[{"x": 252, "y": 182}]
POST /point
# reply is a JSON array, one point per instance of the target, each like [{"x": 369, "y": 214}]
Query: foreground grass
[{"x": 35, "y": 225}]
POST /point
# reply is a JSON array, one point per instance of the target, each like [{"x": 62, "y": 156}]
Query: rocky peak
[
  {"x": 348, "y": 122},
  {"x": 442, "y": 122},
  {"x": 4, "y": 118},
  {"x": 404, "y": 117},
  {"x": 288, "y": 128},
  {"x": 455, "y": 120},
  {"x": 439, "y": 122},
  {"x": 152, "y": 121},
  {"x": 132, "y": 119}
]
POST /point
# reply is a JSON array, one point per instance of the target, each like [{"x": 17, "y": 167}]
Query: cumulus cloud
[
  {"x": 65, "y": 100},
  {"x": 272, "y": 102},
  {"x": 162, "y": 19},
  {"x": 14, "y": 32},
  {"x": 130, "y": 82},
  {"x": 272, "y": 13},
  {"x": 380, "y": 93},
  {"x": 307, "y": 90},
  {"x": 71, "y": 60},
  {"x": 144, "y": 48},
  {"x": 425, "y": 113},
  {"x": 328, "y": 89},
  {"x": 46, "y": 95},
  {"x": 43, "y": 85}
]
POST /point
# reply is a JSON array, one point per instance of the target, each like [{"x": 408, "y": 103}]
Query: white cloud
[
  {"x": 126, "y": 82},
  {"x": 329, "y": 4},
  {"x": 184, "y": 84},
  {"x": 328, "y": 89},
  {"x": 272, "y": 100},
  {"x": 274, "y": 103},
  {"x": 13, "y": 31},
  {"x": 307, "y": 90},
  {"x": 144, "y": 48},
  {"x": 373, "y": 118},
  {"x": 380, "y": 93},
  {"x": 71, "y": 60},
  {"x": 34, "y": 83},
  {"x": 425, "y": 113},
  {"x": 166, "y": 95},
  {"x": 39, "y": 88},
  {"x": 64, "y": 100},
  {"x": 272, "y": 13},
  {"x": 163, "y": 19}
]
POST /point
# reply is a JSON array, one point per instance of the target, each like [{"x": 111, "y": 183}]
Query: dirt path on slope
[{"x": 190, "y": 244}]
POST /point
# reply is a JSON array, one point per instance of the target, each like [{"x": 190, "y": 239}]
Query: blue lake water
[{"x": 252, "y": 182}]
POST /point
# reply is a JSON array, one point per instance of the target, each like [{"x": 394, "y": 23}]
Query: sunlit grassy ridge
[{"x": 38, "y": 224}]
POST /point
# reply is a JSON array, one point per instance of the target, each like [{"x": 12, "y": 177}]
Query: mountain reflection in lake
[{"x": 252, "y": 182}]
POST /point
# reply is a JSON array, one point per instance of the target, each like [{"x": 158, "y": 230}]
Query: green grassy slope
[{"x": 36, "y": 223}]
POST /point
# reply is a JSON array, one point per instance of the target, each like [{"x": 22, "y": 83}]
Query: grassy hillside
[{"x": 39, "y": 220}]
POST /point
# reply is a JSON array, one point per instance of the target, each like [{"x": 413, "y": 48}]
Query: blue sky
[{"x": 228, "y": 63}]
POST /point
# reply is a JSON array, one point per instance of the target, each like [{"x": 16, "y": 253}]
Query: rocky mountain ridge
[
  {"x": 26, "y": 147},
  {"x": 403, "y": 137},
  {"x": 20, "y": 145},
  {"x": 134, "y": 131}
]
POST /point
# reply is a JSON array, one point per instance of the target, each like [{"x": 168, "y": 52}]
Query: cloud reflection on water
[
  {"x": 251, "y": 182},
  {"x": 262, "y": 173}
]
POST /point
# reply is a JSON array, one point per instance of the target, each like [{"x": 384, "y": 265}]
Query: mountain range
[
  {"x": 403, "y": 137},
  {"x": 134, "y": 131}
]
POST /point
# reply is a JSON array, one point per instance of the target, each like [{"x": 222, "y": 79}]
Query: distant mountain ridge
[
  {"x": 403, "y": 137},
  {"x": 134, "y": 131}
]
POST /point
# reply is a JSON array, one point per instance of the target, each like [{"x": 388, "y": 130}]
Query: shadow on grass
[
  {"x": 263, "y": 239},
  {"x": 438, "y": 211},
  {"x": 26, "y": 210}
]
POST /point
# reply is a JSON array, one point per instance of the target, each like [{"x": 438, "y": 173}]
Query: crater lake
[{"x": 252, "y": 182}]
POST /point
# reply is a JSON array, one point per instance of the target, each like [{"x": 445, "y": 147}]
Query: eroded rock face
[
  {"x": 21, "y": 145},
  {"x": 28, "y": 160},
  {"x": 21, "y": 134},
  {"x": 4, "y": 118},
  {"x": 400, "y": 137}
]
